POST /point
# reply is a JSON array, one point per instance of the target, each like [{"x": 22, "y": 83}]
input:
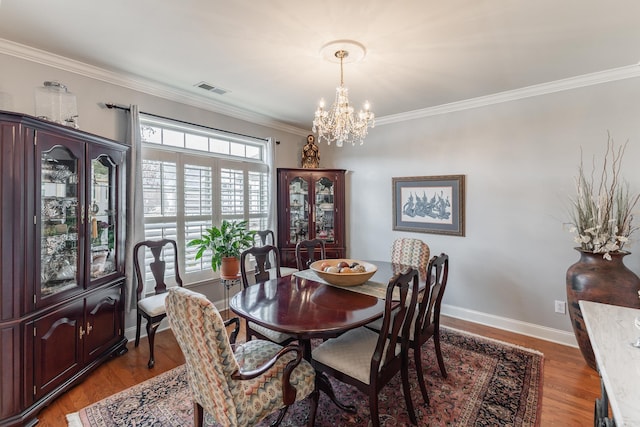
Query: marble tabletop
[{"x": 612, "y": 332}]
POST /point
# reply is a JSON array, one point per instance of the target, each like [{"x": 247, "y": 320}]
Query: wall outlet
[{"x": 561, "y": 307}]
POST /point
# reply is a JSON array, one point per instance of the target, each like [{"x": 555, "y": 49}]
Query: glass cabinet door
[
  {"x": 298, "y": 209},
  {"x": 324, "y": 209},
  {"x": 102, "y": 217},
  {"x": 59, "y": 224}
]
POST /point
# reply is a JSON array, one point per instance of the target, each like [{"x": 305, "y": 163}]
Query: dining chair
[
  {"x": 267, "y": 237},
  {"x": 426, "y": 320},
  {"x": 261, "y": 255},
  {"x": 241, "y": 388},
  {"x": 408, "y": 251},
  {"x": 152, "y": 307},
  {"x": 306, "y": 252},
  {"x": 368, "y": 360}
]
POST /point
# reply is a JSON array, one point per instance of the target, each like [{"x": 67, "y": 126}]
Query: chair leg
[
  {"x": 436, "y": 342},
  {"x": 417, "y": 358},
  {"x": 198, "y": 415},
  {"x": 277, "y": 422},
  {"x": 314, "y": 397},
  {"x": 406, "y": 388},
  {"x": 247, "y": 330},
  {"x": 373, "y": 407},
  {"x": 151, "y": 334},
  {"x": 138, "y": 327}
]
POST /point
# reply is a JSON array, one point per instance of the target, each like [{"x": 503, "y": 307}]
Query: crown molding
[
  {"x": 173, "y": 94},
  {"x": 137, "y": 83},
  {"x": 606, "y": 76}
]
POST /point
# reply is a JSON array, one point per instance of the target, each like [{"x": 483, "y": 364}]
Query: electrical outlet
[{"x": 561, "y": 307}]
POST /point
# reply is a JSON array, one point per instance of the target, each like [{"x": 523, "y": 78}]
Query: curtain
[
  {"x": 134, "y": 209},
  {"x": 270, "y": 159}
]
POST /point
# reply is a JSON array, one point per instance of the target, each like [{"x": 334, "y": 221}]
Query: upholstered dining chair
[
  {"x": 261, "y": 254},
  {"x": 367, "y": 359},
  {"x": 305, "y": 252},
  {"x": 408, "y": 251},
  {"x": 152, "y": 307},
  {"x": 267, "y": 237},
  {"x": 241, "y": 388}
]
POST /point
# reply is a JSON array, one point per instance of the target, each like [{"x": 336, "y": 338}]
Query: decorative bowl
[{"x": 344, "y": 279}]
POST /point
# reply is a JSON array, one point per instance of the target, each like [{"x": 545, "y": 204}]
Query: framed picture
[{"x": 429, "y": 204}]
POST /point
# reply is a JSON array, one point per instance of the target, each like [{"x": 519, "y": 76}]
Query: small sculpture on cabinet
[{"x": 310, "y": 154}]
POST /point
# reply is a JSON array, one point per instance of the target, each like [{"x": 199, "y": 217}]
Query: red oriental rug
[{"x": 490, "y": 383}]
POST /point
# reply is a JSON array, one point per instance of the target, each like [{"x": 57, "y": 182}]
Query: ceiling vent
[{"x": 211, "y": 88}]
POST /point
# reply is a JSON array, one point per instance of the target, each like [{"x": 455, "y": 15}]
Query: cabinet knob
[
  {"x": 81, "y": 332},
  {"x": 89, "y": 328}
]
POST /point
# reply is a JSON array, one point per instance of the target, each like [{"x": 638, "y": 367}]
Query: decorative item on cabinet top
[
  {"x": 56, "y": 104},
  {"x": 310, "y": 154}
]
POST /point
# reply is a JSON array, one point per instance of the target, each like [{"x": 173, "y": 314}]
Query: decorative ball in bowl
[{"x": 344, "y": 271}]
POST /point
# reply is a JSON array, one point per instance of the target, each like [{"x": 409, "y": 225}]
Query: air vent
[{"x": 211, "y": 88}]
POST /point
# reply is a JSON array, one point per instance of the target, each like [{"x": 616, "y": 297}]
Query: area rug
[{"x": 489, "y": 383}]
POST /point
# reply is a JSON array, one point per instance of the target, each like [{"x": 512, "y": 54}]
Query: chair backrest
[
  {"x": 159, "y": 249},
  {"x": 266, "y": 237},
  {"x": 309, "y": 247},
  {"x": 413, "y": 252},
  {"x": 261, "y": 255},
  {"x": 202, "y": 336},
  {"x": 428, "y": 317},
  {"x": 400, "y": 305}
]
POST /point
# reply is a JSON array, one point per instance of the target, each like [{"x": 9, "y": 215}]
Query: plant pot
[
  {"x": 594, "y": 278},
  {"x": 230, "y": 267}
]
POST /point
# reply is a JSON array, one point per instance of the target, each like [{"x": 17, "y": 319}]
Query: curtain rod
[{"x": 125, "y": 108}]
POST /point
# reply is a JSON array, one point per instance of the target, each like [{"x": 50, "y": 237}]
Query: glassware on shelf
[
  {"x": 101, "y": 212},
  {"x": 58, "y": 222}
]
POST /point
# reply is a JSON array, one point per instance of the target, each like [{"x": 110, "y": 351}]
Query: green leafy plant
[{"x": 227, "y": 241}]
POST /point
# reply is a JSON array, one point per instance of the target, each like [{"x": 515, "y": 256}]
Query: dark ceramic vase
[{"x": 594, "y": 278}]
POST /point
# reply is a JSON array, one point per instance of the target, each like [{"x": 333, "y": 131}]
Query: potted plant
[
  {"x": 601, "y": 218},
  {"x": 226, "y": 244}
]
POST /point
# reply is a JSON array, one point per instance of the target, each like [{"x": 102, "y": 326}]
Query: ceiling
[{"x": 266, "y": 54}]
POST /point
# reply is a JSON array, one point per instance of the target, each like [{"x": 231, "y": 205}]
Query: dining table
[{"x": 305, "y": 306}]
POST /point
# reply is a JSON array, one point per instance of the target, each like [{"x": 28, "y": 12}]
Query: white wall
[{"x": 519, "y": 159}]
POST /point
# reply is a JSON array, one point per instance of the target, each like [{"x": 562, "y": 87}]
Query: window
[{"x": 194, "y": 177}]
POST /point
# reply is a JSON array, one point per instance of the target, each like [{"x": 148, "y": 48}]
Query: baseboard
[{"x": 529, "y": 329}]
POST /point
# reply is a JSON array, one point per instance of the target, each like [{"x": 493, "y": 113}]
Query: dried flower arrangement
[{"x": 601, "y": 215}]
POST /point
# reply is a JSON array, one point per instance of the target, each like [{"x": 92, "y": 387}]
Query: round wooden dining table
[
  {"x": 310, "y": 309},
  {"x": 305, "y": 308}
]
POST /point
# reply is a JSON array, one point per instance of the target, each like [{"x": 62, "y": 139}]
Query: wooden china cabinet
[
  {"x": 62, "y": 250},
  {"x": 311, "y": 204}
]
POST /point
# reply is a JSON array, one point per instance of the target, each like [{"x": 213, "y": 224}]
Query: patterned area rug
[{"x": 490, "y": 383}]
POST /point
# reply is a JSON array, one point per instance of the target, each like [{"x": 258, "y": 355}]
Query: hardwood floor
[{"x": 569, "y": 390}]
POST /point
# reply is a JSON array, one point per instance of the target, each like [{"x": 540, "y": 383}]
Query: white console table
[{"x": 611, "y": 331}]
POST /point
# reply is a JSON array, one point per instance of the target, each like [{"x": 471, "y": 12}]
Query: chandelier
[{"x": 339, "y": 123}]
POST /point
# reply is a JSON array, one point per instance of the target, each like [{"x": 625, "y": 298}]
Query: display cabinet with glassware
[
  {"x": 62, "y": 249},
  {"x": 311, "y": 205}
]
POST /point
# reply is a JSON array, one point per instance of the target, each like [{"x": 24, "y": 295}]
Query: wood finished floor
[{"x": 569, "y": 390}]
